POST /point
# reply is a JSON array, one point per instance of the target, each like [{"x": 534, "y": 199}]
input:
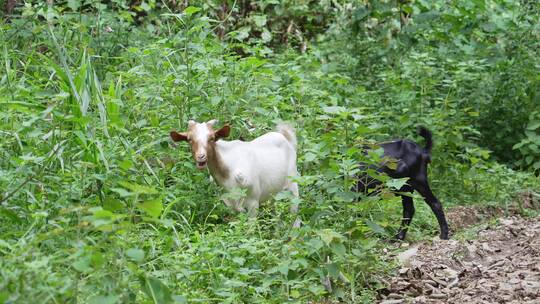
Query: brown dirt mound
[
  {"x": 460, "y": 217},
  {"x": 501, "y": 266}
]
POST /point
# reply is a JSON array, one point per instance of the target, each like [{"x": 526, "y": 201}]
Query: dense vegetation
[{"x": 98, "y": 206}]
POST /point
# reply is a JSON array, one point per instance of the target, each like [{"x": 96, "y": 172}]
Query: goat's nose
[{"x": 201, "y": 156}]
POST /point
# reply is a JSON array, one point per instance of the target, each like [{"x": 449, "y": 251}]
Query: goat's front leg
[
  {"x": 252, "y": 206},
  {"x": 408, "y": 213},
  {"x": 229, "y": 203},
  {"x": 236, "y": 205}
]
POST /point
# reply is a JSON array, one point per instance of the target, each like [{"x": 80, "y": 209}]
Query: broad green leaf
[
  {"x": 135, "y": 254},
  {"x": 266, "y": 36},
  {"x": 139, "y": 189},
  {"x": 151, "y": 207},
  {"x": 283, "y": 268},
  {"x": 533, "y": 125},
  {"x": 112, "y": 204},
  {"x": 260, "y": 20},
  {"x": 179, "y": 299},
  {"x": 122, "y": 192},
  {"x": 333, "y": 270},
  {"x": 190, "y": 10},
  {"x": 110, "y": 299},
  {"x": 239, "y": 260},
  {"x": 375, "y": 227},
  {"x": 338, "y": 248},
  {"x": 334, "y": 109},
  {"x": 519, "y": 145},
  {"x": 328, "y": 235},
  {"x": 241, "y": 33},
  {"x": 309, "y": 156},
  {"x": 157, "y": 291},
  {"x": 82, "y": 264},
  {"x": 145, "y": 6},
  {"x": 74, "y": 4},
  {"x": 396, "y": 183}
]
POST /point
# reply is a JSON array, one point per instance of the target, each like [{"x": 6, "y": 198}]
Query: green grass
[{"x": 98, "y": 206}]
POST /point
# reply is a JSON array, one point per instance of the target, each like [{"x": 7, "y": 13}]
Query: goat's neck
[{"x": 217, "y": 166}]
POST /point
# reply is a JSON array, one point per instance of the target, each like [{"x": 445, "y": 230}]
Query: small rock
[
  {"x": 405, "y": 256},
  {"x": 394, "y": 296},
  {"x": 403, "y": 271},
  {"x": 397, "y": 301},
  {"x": 438, "y": 296},
  {"x": 450, "y": 273},
  {"x": 506, "y": 222}
]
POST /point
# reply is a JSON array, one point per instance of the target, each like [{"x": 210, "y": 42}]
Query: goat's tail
[
  {"x": 288, "y": 132},
  {"x": 426, "y": 134}
]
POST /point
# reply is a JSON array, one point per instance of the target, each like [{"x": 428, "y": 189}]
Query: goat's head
[{"x": 201, "y": 137}]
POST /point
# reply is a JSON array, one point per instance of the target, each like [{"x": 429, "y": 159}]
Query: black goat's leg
[
  {"x": 436, "y": 207},
  {"x": 408, "y": 213}
]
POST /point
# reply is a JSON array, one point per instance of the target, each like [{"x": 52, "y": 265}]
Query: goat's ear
[
  {"x": 178, "y": 136},
  {"x": 223, "y": 132}
]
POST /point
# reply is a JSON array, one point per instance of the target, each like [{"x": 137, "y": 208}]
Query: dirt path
[{"x": 502, "y": 265}]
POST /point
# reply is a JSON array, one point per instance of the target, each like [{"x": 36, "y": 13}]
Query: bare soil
[{"x": 501, "y": 265}]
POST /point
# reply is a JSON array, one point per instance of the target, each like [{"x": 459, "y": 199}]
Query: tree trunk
[{"x": 9, "y": 5}]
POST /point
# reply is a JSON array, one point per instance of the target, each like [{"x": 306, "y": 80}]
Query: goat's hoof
[
  {"x": 297, "y": 223},
  {"x": 444, "y": 237},
  {"x": 400, "y": 237},
  {"x": 327, "y": 283}
]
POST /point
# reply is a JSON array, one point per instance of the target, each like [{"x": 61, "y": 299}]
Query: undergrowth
[{"x": 99, "y": 206}]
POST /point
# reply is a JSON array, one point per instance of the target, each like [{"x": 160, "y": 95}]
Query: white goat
[{"x": 261, "y": 166}]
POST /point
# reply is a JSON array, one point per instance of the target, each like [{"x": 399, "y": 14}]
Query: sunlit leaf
[
  {"x": 139, "y": 189},
  {"x": 135, "y": 254},
  {"x": 396, "y": 183},
  {"x": 157, "y": 291},
  {"x": 190, "y": 10},
  {"x": 375, "y": 227},
  {"x": 109, "y": 299},
  {"x": 151, "y": 207}
]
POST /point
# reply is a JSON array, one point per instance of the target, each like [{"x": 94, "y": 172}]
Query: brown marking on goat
[
  {"x": 215, "y": 163},
  {"x": 213, "y": 159},
  {"x": 178, "y": 136}
]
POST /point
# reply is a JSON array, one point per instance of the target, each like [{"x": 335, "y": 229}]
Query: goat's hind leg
[
  {"x": 293, "y": 187},
  {"x": 424, "y": 189}
]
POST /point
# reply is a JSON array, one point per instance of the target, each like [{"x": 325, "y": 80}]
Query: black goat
[{"x": 412, "y": 161}]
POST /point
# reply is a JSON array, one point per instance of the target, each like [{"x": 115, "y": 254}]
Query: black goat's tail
[{"x": 426, "y": 134}]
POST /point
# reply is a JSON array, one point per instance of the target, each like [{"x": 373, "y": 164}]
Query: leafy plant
[
  {"x": 529, "y": 146},
  {"x": 98, "y": 205}
]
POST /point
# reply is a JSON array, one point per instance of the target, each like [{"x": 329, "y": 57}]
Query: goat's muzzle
[
  {"x": 201, "y": 162},
  {"x": 201, "y": 165}
]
